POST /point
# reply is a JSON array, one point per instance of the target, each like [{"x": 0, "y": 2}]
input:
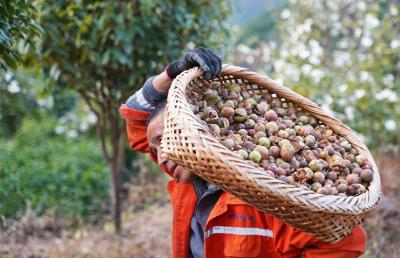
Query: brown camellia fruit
[
  {"x": 287, "y": 152},
  {"x": 319, "y": 177},
  {"x": 263, "y": 151},
  {"x": 274, "y": 151},
  {"x": 259, "y": 127},
  {"x": 342, "y": 188},
  {"x": 287, "y": 142},
  {"x": 331, "y": 175},
  {"x": 227, "y": 112},
  {"x": 352, "y": 178},
  {"x": 357, "y": 170},
  {"x": 323, "y": 190},
  {"x": 366, "y": 175}
]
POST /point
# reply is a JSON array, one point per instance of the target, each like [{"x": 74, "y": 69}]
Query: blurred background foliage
[
  {"x": 344, "y": 55},
  {"x": 18, "y": 30},
  {"x": 79, "y": 60}
]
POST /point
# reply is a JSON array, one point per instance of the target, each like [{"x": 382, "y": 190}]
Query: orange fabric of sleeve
[
  {"x": 351, "y": 246},
  {"x": 291, "y": 242},
  {"x": 136, "y": 126},
  {"x": 136, "y": 121}
]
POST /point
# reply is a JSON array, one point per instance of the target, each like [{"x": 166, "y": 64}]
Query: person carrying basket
[{"x": 208, "y": 222}]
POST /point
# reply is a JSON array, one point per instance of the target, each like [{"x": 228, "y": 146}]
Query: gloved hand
[{"x": 203, "y": 57}]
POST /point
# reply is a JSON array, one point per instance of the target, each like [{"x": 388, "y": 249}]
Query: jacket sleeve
[
  {"x": 291, "y": 242},
  {"x": 136, "y": 121},
  {"x": 137, "y": 110}
]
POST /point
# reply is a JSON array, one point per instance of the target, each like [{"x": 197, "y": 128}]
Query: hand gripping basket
[{"x": 189, "y": 144}]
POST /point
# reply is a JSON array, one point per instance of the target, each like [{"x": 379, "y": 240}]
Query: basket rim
[{"x": 351, "y": 205}]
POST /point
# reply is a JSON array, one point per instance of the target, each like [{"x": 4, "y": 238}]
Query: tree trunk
[
  {"x": 115, "y": 198},
  {"x": 110, "y": 129},
  {"x": 115, "y": 164}
]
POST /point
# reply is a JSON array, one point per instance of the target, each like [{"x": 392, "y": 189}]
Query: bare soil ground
[
  {"x": 145, "y": 234},
  {"x": 146, "y": 229}
]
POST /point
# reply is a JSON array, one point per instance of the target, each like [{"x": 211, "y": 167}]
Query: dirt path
[{"x": 145, "y": 234}]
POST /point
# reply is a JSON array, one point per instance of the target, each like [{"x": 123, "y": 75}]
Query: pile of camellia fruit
[{"x": 285, "y": 141}]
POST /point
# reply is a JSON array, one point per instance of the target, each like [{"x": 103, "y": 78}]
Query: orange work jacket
[{"x": 234, "y": 228}]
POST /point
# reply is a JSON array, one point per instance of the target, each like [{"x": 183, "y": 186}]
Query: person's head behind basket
[
  {"x": 155, "y": 128},
  {"x": 211, "y": 64}
]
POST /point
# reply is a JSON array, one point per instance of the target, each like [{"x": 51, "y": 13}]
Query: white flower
[
  {"x": 359, "y": 93},
  {"x": 366, "y": 41},
  {"x": 343, "y": 43},
  {"x": 190, "y": 45},
  {"x": 72, "y": 134},
  {"x": 59, "y": 129},
  {"x": 250, "y": 59},
  {"x": 395, "y": 43},
  {"x": 387, "y": 94},
  {"x": 13, "y": 87},
  {"x": 316, "y": 48},
  {"x": 279, "y": 64},
  {"x": 304, "y": 54},
  {"x": 361, "y": 6},
  {"x": 317, "y": 75},
  {"x": 314, "y": 60},
  {"x": 244, "y": 49},
  {"x": 388, "y": 79},
  {"x": 349, "y": 111},
  {"x": 365, "y": 76},
  {"x": 341, "y": 58},
  {"x": 371, "y": 21},
  {"x": 285, "y": 14},
  {"x": 306, "y": 69},
  {"x": 390, "y": 125},
  {"x": 342, "y": 88},
  {"x": 8, "y": 76},
  {"x": 393, "y": 10},
  {"x": 357, "y": 32},
  {"x": 83, "y": 126},
  {"x": 91, "y": 118}
]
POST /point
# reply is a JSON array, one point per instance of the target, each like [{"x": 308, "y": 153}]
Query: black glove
[{"x": 203, "y": 57}]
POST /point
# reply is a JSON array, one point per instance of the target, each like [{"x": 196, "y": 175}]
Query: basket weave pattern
[{"x": 188, "y": 143}]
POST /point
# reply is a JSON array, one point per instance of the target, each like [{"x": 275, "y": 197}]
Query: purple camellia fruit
[
  {"x": 274, "y": 151},
  {"x": 271, "y": 115},
  {"x": 249, "y": 123},
  {"x": 259, "y": 127},
  {"x": 319, "y": 177},
  {"x": 342, "y": 188},
  {"x": 366, "y": 175},
  {"x": 352, "y": 178},
  {"x": 331, "y": 175},
  {"x": 323, "y": 190},
  {"x": 251, "y": 132},
  {"x": 283, "y": 178}
]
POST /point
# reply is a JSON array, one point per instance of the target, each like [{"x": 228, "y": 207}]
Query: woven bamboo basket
[{"x": 188, "y": 143}]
